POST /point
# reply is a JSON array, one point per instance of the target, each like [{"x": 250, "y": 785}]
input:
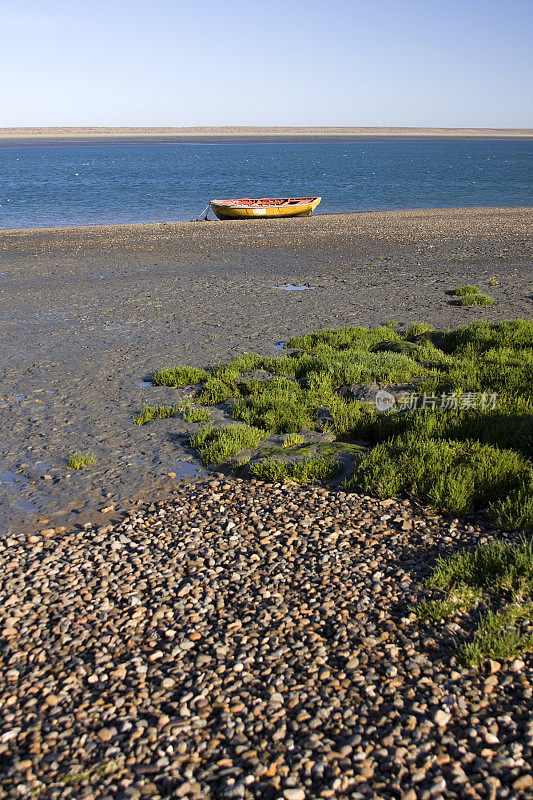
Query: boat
[{"x": 269, "y": 207}]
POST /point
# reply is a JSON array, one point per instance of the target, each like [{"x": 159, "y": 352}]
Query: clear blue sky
[{"x": 266, "y": 62}]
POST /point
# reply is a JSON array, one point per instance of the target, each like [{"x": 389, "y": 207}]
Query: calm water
[{"x": 83, "y": 184}]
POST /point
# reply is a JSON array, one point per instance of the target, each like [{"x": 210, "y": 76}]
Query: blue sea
[{"x": 80, "y": 183}]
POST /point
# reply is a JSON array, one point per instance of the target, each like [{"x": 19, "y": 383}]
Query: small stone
[
  {"x": 524, "y": 782},
  {"x": 294, "y": 794},
  {"x": 51, "y": 700},
  {"x": 441, "y": 718}
]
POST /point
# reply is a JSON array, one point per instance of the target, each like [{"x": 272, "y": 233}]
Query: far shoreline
[{"x": 247, "y": 133}]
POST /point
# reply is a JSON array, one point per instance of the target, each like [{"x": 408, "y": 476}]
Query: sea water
[{"x": 46, "y": 184}]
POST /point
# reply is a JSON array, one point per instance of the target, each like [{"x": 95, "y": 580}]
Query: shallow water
[
  {"x": 291, "y": 287},
  {"x": 54, "y": 184}
]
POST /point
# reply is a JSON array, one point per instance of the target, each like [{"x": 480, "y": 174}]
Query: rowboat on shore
[{"x": 249, "y": 208}]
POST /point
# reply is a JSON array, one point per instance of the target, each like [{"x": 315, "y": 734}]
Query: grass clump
[
  {"x": 216, "y": 391},
  {"x": 217, "y": 445},
  {"x": 195, "y": 414},
  {"x": 503, "y": 568},
  {"x": 155, "y": 412},
  {"x": 435, "y": 610},
  {"x": 477, "y": 299},
  {"x": 499, "y": 636},
  {"x": 79, "y": 460},
  {"x": 495, "y": 572},
  {"x": 179, "y": 376},
  {"x": 470, "y": 295},
  {"x": 468, "y": 288},
  {"x": 454, "y": 476},
  {"x": 292, "y": 439},
  {"x": 311, "y": 470}
]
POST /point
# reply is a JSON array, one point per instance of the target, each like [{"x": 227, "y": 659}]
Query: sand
[
  {"x": 257, "y": 132},
  {"x": 88, "y": 313}
]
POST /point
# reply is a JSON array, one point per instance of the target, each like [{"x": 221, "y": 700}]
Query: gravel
[{"x": 247, "y": 640}]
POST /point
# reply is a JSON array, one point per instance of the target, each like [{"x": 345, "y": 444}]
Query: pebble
[{"x": 249, "y": 640}]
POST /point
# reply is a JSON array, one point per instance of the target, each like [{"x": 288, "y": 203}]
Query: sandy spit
[{"x": 254, "y": 132}]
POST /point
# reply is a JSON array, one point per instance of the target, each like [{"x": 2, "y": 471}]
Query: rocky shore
[{"x": 246, "y": 640}]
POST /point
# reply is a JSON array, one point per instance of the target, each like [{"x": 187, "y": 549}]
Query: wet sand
[{"x": 89, "y": 313}]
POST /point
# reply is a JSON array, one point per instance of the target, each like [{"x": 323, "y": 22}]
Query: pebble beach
[
  {"x": 173, "y": 633},
  {"x": 250, "y": 641}
]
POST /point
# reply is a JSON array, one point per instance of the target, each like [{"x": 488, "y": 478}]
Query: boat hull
[{"x": 223, "y": 211}]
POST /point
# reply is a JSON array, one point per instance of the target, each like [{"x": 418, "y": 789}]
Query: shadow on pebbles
[{"x": 249, "y": 641}]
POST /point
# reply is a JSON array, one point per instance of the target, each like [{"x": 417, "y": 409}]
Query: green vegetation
[
  {"x": 463, "y": 441},
  {"x": 494, "y": 282},
  {"x": 472, "y": 296},
  {"x": 477, "y": 299},
  {"x": 80, "y": 460},
  {"x": 498, "y": 572},
  {"x": 179, "y": 376},
  {"x": 459, "y": 476},
  {"x": 467, "y": 289},
  {"x": 155, "y": 412},
  {"x": 195, "y": 414},
  {"x": 311, "y": 470},
  {"x": 499, "y": 636},
  {"x": 292, "y": 439},
  {"x": 217, "y": 445}
]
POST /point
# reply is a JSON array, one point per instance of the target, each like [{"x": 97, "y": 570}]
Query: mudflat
[{"x": 88, "y": 315}]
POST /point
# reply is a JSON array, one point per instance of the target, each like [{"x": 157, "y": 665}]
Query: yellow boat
[{"x": 269, "y": 207}]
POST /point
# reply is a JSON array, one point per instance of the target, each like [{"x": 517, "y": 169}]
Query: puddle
[
  {"x": 27, "y": 505},
  {"x": 145, "y": 384},
  {"x": 291, "y": 287},
  {"x": 184, "y": 469},
  {"x": 10, "y": 478},
  {"x": 279, "y": 345},
  {"x": 42, "y": 466}
]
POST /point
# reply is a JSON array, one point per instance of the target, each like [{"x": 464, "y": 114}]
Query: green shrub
[
  {"x": 217, "y": 445},
  {"x": 462, "y": 291},
  {"x": 450, "y": 475},
  {"x": 216, "y": 391},
  {"x": 195, "y": 414},
  {"x": 155, "y": 412},
  {"x": 312, "y": 470},
  {"x": 476, "y": 299},
  {"x": 79, "y": 460},
  {"x": 179, "y": 376}
]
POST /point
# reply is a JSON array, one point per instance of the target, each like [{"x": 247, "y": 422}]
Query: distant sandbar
[{"x": 258, "y": 132}]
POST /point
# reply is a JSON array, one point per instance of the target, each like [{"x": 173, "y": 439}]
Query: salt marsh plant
[
  {"x": 179, "y": 376},
  {"x": 312, "y": 470},
  {"x": 195, "y": 414},
  {"x": 474, "y": 453},
  {"x": 476, "y": 299},
  {"x": 466, "y": 289},
  {"x": 217, "y": 445},
  {"x": 155, "y": 412},
  {"x": 498, "y": 574},
  {"x": 79, "y": 460},
  {"x": 472, "y": 296}
]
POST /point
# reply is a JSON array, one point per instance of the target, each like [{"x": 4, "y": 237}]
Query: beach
[
  {"x": 173, "y": 633},
  {"x": 254, "y": 132},
  {"x": 89, "y": 314}
]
